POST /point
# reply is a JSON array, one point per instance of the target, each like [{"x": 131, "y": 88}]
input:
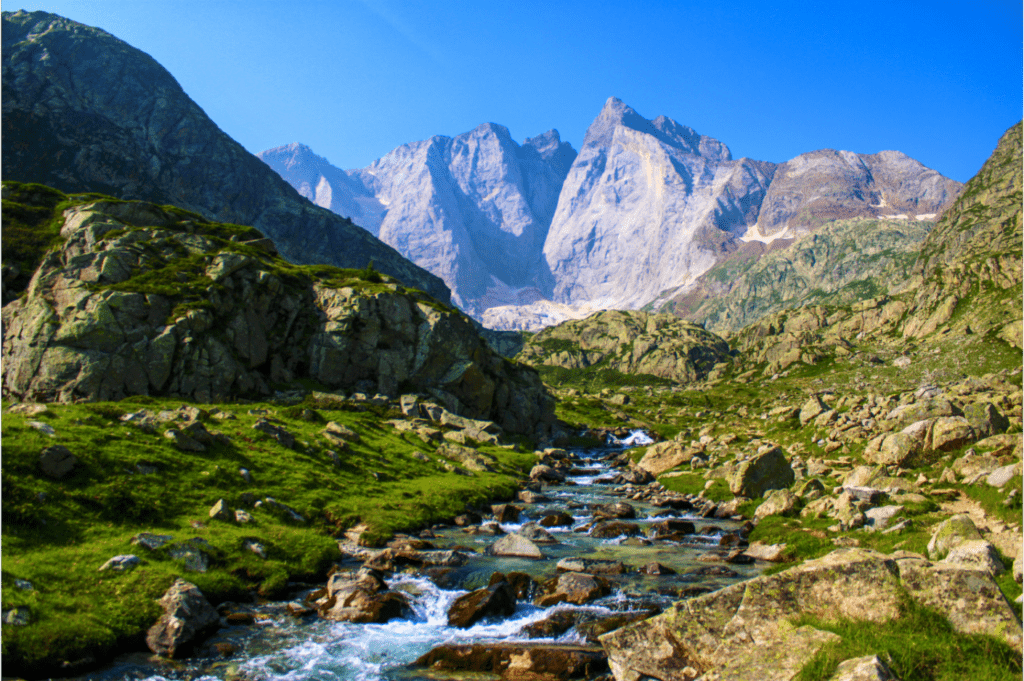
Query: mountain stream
[{"x": 281, "y": 646}]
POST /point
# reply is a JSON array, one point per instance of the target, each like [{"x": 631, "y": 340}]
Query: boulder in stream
[
  {"x": 572, "y": 587},
  {"x": 519, "y": 661},
  {"x": 496, "y": 600},
  {"x": 361, "y": 597},
  {"x": 515, "y": 545},
  {"x": 614, "y": 528},
  {"x": 613, "y": 511},
  {"x": 187, "y": 617}
]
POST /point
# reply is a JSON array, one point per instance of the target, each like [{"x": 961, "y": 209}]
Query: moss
[{"x": 57, "y": 533}]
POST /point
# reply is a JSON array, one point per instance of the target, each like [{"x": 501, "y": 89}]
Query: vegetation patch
[
  {"x": 918, "y": 645},
  {"x": 129, "y": 480}
]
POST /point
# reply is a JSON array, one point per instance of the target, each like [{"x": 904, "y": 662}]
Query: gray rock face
[
  {"x": 84, "y": 111},
  {"x": 527, "y": 236},
  {"x": 647, "y": 205},
  {"x": 473, "y": 209}
]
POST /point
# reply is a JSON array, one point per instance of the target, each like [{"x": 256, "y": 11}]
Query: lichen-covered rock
[
  {"x": 742, "y": 632},
  {"x": 867, "y": 668},
  {"x": 765, "y": 471},
  {"x": 985, "y": 418},
  {"x": 951, "y": 533},
  {"x": 662, "y": 457},
  {"x": 108, "y": 315},
  {"x": 978, "y": 554},
  {"x": 778, "y": 502},
  {"x": 949, "y": 433},
  {"x": 187, "y": 617},
  {"x": 890, "y": 449}
]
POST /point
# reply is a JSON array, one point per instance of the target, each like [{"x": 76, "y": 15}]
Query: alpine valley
[{"x": 495, "y": 410}]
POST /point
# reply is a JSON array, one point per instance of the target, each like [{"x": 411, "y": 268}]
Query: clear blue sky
[{"x": 353, "y": 79}]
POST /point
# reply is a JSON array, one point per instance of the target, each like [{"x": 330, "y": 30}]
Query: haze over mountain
[
  {"x": 84, "y": 111},
  {"x": 526, "y": 236}
]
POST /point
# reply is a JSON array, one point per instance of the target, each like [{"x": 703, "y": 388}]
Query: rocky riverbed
[{"x": 531, "y": 583}]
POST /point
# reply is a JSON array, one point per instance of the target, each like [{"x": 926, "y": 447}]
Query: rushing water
[{"x": 285, "y": 648}]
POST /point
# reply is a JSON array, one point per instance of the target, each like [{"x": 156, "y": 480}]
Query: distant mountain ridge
[
  {"x": 643, "y": 209},
  {"x": 86, "y": 112}
]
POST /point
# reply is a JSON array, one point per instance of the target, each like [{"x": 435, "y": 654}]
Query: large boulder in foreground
[
  {"x": 187, "y": 617},
  {"x": 140, "y": 299},
  {"x": 743, "y": 632}
]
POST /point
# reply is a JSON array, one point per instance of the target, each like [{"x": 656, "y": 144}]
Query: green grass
[
  {"x": 56, "y": 534},
  {"x": 919, "y": 645}
]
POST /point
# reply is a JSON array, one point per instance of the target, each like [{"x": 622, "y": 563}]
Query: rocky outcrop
[
  {"x": 647, "y": 205},
  {"x": 744, "y": 631},
  {"x": 84, "y": 111},
  {"x": 971, "y": 261},
  {"x": 141, "y": 299},
  {"x": 187, "y": 617},
  {"x": 629, "y": 342},
  {"x": 473, "y": 209}
]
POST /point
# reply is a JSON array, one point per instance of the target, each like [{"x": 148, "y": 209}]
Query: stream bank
[{"x": 643, "y": 550}]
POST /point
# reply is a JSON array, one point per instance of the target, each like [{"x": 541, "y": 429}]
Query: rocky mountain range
[
  {"x": 86, "y": 112},
  {"x": 644, "y": 209}
]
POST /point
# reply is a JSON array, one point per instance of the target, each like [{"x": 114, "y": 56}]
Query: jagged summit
[{"x": 552, "y": 149}]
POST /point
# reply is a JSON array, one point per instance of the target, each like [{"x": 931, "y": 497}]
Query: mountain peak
[
  {"x": 551, "y": 148},
  {"x": 617, "y": 114}
]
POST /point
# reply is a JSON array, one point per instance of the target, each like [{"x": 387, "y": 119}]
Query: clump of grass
[{"x": 919, "y": 645}]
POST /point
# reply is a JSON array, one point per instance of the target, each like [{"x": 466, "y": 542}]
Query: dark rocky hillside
[
  {"x": 139, "y": 299},
  {"x": 84, "y": 111}
]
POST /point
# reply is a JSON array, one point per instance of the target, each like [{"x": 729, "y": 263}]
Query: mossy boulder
[
  {"x": 951, "y": 533},
  {"x": 764, "y": 471},
  {"x": 140, "y": 299}
]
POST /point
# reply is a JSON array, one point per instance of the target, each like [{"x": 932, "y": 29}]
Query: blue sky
[{"x": 940, "y": 81}]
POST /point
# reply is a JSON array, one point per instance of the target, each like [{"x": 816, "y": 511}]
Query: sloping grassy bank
[{"x": 130, "y": 479}]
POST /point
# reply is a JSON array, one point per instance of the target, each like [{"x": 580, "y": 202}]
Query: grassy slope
[{"x": 56, "y": 534}]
